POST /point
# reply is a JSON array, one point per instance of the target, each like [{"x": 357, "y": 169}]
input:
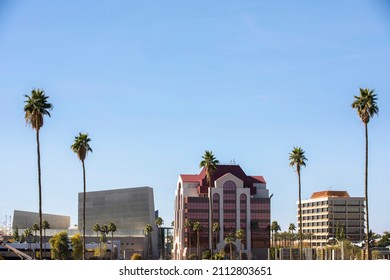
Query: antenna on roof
[{"x": 232, "y": 162}]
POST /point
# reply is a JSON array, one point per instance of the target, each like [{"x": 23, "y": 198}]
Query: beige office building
[{"x": 327, "y": 213}]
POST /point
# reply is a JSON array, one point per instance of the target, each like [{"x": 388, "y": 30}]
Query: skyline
[{"x": 156, "y": 85}]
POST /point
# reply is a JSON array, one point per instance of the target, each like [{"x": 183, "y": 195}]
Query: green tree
[
  {"x": 96, "y": 228},
  {"x": 385, "y": 239},
  {"x": 297, "y": 160},
  {"x": 112, "y": 229},
  {"x": 28, "y": 234},
  {"x": 104, "y": 231},
  {"x": 148, "y": 233},
  {"x": 291, "y": 229},
  {"x": 35, "y": 108},
  {"x": 240, "y": 235},
  {"x": 45, "y": 226},
  {"x": 15, "y": 234},
  {"x": 366, "y": 107},
  {"x": 81, "y": 148},
  {"x": 275, "y": 227},
  {"x": 188, "y": 226},
  {"x": 77, "y": 246},
  {"x": 197, "y": 227},
  {"x": 216, "y": 228},
  {"x": 159, "y": 222},
  {"x": 230, "y": 239},
  {"x": 210, "y": 164},
  {"x": 35, "y": 228},
  {"x": 59, "y": 246}
]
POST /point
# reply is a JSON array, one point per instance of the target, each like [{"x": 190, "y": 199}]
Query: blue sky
[{"x": 156, "y": 83}]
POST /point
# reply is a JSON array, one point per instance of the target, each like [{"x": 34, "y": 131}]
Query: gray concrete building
[
  {"x": 130, "y": 209},
  {"x": 25, "y": 219}
]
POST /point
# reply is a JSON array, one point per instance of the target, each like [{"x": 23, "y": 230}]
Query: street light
[{"x": 339, "y": 242}]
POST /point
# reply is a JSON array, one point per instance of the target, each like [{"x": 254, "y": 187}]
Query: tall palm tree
[
  {"x": 35, "y": 108},
  {"x": 197, "y": 227},
  {"x": 297, "y": 160},
  {"x": 45, "y": 225},
  {"x": 112, "y": 229},
  {"x": 148, "y": 232},
  {"x": 159, "y": 222},
  {"x": 81, "y": 148},
  {"x": 366, "y": 107},
  {"x": 210, "y": 164},
  {"x": 240, "y": 235},
  {"x": 188, "y": 226}
]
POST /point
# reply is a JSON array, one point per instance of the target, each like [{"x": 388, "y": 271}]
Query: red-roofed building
[{"x": 238, "y": 201}]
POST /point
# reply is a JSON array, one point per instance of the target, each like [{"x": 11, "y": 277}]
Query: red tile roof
[{"x": 219, "y": 172}]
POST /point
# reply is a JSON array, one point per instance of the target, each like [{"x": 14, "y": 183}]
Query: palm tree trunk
[
  {"x": 84, "y": 198},
  {"x": 366, "y": 196},
  {"x": 300, "y": 214},
  {"x": 40, "y": 194},
  {"x": 112, "y": 245},
  {"x": 197, "y": 244}
]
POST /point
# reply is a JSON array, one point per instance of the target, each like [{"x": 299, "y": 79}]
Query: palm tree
[
  {"x": 291, "y": 229},
  {"x": 27, "y": 234},
  {"x": 275, "y": 227},
  {"x": 148, "y": 231},
  {"x": 35, "y": 108},
  {"x": 216, "y": 228},
  {"x": 159, "y": 222},
  {"x": 197, "y": 227},
  {"x": 297, "y": 160},
  {"x": 81, "y": 148},
  {"x": 210, "y": 164},
  {"x": 112, "y": 229},
  {"x": 35, "y": 228},
  {"x": 45, "y": 225},
  {"x": 96, "y": 228},
  {"x": 366, "y": 107},
  {"x": 188, "y": 226},
  {"x": 240, "y": 235},
  {"x": 230, "y": 239}
]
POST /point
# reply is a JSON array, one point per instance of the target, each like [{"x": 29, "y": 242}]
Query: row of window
[{"x": 334, "y": 202}]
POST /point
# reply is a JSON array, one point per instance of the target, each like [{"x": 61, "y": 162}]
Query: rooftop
[{"x": 329, "y": 194}]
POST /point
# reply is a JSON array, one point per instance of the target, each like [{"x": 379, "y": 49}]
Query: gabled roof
[{"x": 221, "y": 170}]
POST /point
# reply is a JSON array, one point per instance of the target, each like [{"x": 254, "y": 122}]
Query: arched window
[{"x": 229, "y": 207}]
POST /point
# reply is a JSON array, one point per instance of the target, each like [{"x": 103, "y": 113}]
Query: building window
[{"x": 229, "y": 206}]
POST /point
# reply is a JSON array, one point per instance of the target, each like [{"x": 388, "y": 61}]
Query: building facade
[
  {"x": 130, "y": 209},
  {"x": 331, "y": 214},
  {"x": 24, "y": 219},
  {"x": 237, "y": 202}
]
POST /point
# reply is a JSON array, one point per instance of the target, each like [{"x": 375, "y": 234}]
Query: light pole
[{"x": 339, "y": 242}]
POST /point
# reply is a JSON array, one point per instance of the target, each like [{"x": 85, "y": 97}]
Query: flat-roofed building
[
  {"x": 330, "y": 213},
  {"x": 130, "y": 209},
  {"x": 25, "y": 219}
]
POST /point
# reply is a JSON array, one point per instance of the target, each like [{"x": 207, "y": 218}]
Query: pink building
[{"x": 238, "y": 202}]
